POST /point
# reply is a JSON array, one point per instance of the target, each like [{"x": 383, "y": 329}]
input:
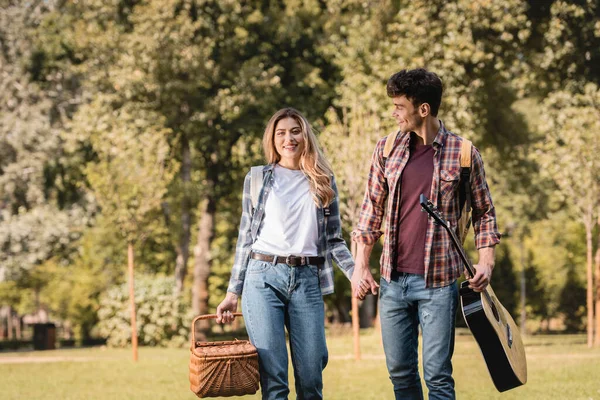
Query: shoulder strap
[
  {"x": 464, "y": 194},
  {"x": 465, "y": 153},
  {"x": 389, "y": 144},
  {"x": 256, "y": 182}
]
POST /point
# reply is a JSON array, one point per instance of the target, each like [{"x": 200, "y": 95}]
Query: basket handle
[{"x": 207, "y": 316}]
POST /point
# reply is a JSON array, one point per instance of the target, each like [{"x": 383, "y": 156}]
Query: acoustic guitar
[{"x": 492, "y": 326}]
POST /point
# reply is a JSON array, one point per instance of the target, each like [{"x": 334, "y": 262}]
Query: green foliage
[
  {"x": 162, "y": 318},
  {"x": 130, "y": 178},
  {"x": 572, "y": 300},
  {"x": 570, "y": 54},
  {"x": 505, "y": 280},
  {"x": 553, "y": 247},
  {"x": 98, "y": 100},
  {"x": 569, "y": 155}
]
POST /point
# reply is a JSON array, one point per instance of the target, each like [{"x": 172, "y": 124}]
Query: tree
[
  {"x": 572, "y": 298},
  {"x": 565, "y": 52},
  {"x": 42, "y": 213},
  {"x": 214, "y": 71},
  {"x": 130, "y": 177},
  {"x": 569, "y": 156}
]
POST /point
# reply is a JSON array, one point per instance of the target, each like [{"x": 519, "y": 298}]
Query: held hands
[
  {"x": 363, "y": 282},
  {"x": 226, "y": 309},
  {"x": 483, "y": 275}
]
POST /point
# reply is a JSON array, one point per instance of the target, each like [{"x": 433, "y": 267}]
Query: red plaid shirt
[{"x": 442, "y": 262}]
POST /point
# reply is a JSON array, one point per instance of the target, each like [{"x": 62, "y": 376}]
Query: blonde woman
[{"x": 283, "y": 261}]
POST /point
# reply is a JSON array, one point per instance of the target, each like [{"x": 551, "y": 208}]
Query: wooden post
[
  {"x": 523, "y": 292},
  {"x": 134, "y": 337},
  {"x": 355, "y": 318}
]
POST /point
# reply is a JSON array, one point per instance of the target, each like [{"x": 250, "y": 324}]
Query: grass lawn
[{"x": 559, "y": 367}]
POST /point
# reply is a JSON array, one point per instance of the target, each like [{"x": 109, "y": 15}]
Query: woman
[{"x": 283, "y": 258}]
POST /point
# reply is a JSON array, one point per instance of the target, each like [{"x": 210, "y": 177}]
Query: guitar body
[
  {"x": 492, "y": 326},
  {"x": 497, "y": 336}
]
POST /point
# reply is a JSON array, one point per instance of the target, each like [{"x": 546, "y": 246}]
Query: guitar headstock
[{"x": 432, "y": 210}]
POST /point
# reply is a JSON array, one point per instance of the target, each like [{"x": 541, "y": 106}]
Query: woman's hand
[
  {"x": 362, "y": 282},
  {"x": 226, "y": 309}
]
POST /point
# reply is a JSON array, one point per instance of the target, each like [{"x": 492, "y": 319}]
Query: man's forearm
[
  {"x": 363, "y": 252},
  {"x": 486, "y": 256}
]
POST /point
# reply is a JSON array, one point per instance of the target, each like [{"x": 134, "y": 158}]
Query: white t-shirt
[{"x": 290, "y": 222}]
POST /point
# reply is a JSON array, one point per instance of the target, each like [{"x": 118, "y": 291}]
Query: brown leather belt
[{"x": 292, "y": 261}]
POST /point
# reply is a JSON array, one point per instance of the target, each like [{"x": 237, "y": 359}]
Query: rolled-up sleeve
[
  {"x": 336, "y": 243},
  {"x": 244, "y": 243},
  {"x": 484, "y": 213},
  {"x": 372, "y": 210}
]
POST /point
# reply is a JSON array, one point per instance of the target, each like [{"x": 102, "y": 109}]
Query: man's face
[{"x": 406, "y": 114}]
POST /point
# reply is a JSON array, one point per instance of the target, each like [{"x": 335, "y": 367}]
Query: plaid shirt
[
  {"x": 442, "y": 262},
  {"x": 331, "y": 244}
]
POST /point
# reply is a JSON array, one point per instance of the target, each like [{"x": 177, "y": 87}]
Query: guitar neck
[
  {"x": 437, "y": 216},
  {"x": 461, "y": 251}
]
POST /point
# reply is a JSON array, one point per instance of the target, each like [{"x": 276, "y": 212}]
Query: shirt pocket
[{"x": 449, "y": 179}]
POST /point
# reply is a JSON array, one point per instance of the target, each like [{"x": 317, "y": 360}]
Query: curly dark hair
[{"x": 419, "y": 86}]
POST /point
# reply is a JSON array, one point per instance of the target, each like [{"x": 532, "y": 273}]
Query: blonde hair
[{"x": 312, "y": 160}]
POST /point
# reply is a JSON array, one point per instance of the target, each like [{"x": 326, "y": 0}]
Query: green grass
[{"x": 560, "y": 367}]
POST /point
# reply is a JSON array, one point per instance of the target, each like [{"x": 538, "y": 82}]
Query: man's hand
[
  {"x": 226, "y": 309},
  {"x": 482, "y": 278},
  {"x": 363, "y": 282},
  {"x": 483, "y": 269}
]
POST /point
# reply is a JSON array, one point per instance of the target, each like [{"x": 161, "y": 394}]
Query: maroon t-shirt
[{"x": 416, "y": 179}]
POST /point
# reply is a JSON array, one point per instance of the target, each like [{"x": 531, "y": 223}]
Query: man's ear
[{"x": 424, "y": 110}]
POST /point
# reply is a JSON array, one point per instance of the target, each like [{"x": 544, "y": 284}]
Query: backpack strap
[
  {"x": 389, "y": 144},
  {"x": 256, "y": 183},
  {"x": 464, "y": 191}
]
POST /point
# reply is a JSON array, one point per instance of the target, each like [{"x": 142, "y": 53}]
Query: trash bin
[{"x": 44, "y": 336}]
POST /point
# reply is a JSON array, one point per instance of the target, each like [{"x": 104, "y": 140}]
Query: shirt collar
[{"x": 440, "y": 138}]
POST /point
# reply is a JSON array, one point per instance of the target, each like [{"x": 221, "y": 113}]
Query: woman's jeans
[
  {"x": 275, "y": 297},
  {"x": 405, "y": 304}
]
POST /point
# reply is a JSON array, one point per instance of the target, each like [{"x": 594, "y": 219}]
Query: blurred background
[{"x": 128, "y": 125}]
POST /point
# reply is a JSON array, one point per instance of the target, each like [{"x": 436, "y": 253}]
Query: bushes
[{"x": 162, "y": 319}]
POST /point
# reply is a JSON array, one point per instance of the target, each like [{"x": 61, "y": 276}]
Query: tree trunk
[
  {"x": 590, "y": 288},
  {"x": 134, "y": 337},
  {"x": 523, "y": 322},
  {"x": 9, "y": 323},
  {"x": 355, "y": 317},
  {"x": 202, "y": 262},
  {"x": 18, "y": 327},
  {"x": 183, "y": 248},
  {"x": 597, "y": 277}
]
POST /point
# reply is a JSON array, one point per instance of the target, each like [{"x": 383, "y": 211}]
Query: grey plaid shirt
[{"x": 330, "y": 244}]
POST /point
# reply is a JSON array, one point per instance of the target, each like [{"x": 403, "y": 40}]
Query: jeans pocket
[
  {"x": 314, "y": 270},
  {"x": 382, "y": 287},
  {"x": 257, "y": 267}
]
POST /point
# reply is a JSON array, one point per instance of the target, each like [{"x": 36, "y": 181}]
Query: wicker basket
[{"x": 222, "y": 369}]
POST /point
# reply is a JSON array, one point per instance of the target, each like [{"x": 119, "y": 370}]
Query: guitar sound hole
[{"x": 495, "y": 312}]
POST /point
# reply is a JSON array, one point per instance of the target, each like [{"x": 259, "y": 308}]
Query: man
[{"x": 419, "y": 265}]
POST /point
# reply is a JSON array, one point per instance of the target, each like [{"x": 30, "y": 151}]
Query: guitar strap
[{"x": 464, "y": 190}]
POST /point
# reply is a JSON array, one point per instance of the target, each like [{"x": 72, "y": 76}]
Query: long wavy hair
[{"x": 312, "y": 160}]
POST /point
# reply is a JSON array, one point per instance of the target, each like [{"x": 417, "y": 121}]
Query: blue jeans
[
  {"x": 276, "y": 297},
  {"x": 405, "y": 304}
]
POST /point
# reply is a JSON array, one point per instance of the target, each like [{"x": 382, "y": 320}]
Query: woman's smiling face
[{"x": 289, "y": 142}]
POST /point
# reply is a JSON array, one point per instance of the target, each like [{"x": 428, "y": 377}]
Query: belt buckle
[{"x": 288, "y": 260}]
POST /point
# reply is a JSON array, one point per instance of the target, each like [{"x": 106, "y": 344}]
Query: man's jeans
[
  {"x": 278, "y": 296},
  {"x": 406, "y": 303}
]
